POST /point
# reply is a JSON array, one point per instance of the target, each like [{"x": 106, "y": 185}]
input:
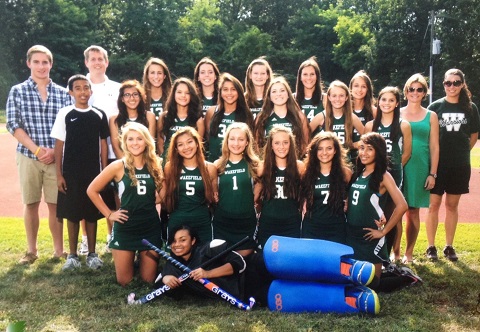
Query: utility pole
[
  {"x": 432, "y": 22},
  {"x": 434, "y": 50}
]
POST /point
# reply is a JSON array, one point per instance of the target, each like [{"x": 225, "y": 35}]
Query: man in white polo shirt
[{"x": 104, "y": 97}]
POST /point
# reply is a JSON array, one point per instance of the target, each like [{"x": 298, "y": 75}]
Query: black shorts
[{"x": 452, "y": 180}]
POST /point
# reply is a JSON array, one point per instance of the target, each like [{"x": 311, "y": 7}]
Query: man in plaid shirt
[{"x": 32, "y": 107}]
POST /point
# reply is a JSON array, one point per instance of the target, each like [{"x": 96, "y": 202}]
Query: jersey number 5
[{"x": 190, "y": 186}]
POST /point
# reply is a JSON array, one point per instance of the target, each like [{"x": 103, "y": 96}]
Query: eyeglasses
[
  {"x": 456, "y": 83},
  {"x": 133, "y": 95},
  {"x": 419, "y": 90}
]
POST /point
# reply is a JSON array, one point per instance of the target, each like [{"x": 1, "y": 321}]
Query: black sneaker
[
  {"x": 450, "y": 254},
  {"x": 432, "y": 253},
  {"x": 409, "y": 273}
]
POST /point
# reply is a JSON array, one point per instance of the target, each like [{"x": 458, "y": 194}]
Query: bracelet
[
  {"x": 108, "y": 218},
  {"x": 37, "y": 151}
]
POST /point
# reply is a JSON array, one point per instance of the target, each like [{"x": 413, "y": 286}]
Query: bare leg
[
  {"x": 398, "y": 240},
  {"x": 432, "y": 218},
  {"x": 411, "y": 230},
  {"x": 123, "y": 261},
  {"x": 451, "y": 217},
  {"x": 56, "y": 229},
  {"x": 32, "y": 224},
  {"x": 149, "y": 265},
  {"x": 91, "y": 228},
  {"x": 73, "y": 229}
]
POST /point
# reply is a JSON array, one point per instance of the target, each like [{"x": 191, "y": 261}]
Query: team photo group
[{"x": 213, "y": 168}]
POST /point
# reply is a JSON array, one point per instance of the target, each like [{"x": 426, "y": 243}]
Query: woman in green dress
[{"x": 420, "y": 172}]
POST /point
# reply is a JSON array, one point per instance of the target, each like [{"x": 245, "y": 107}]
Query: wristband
[{"x": 37, "y": 151}]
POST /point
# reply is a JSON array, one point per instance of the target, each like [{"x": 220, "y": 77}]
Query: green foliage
[
  {"x": 353, "y": 50},
  {"x": 388, "y": 38},
  {"x": 246, "y": 47}
]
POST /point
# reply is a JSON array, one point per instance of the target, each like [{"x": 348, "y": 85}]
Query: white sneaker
[
  {"x": 93, "y": 261},
  {"x": 72, "y": 263},
  {"x": 83, "y": 247}
]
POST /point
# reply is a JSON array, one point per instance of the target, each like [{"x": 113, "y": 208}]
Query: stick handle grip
[{"x": 205, "y": 282}]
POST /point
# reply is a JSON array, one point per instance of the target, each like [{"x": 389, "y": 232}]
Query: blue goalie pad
[
  {"x": 315, "y": 260},
  {"x": 300, "y": 296}
]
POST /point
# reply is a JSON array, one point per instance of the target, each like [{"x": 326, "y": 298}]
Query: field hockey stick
[
  {"x": 162, "y": 290},
  {"x": 205, "y": 282}
]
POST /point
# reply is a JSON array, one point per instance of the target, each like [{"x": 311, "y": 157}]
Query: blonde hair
[
  {"x": 249, "y": 154},
  {"x": 151, "y": 159},
  {"x": 39, "y": 49},
  {"x": 416, "y": 78},
  {"x": 95, "y": 48}
]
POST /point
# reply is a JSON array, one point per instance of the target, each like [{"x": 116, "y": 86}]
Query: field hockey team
[{"x": 330, "y": 163}]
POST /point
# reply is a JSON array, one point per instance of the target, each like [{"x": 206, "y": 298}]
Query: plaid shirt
[{"x": 26, "y": 110}]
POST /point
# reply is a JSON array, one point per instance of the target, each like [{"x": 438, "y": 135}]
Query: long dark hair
[
  {"x": 242, "y": 111},
  {"x": 338, "y": 180},
  {"x": 292, "y": 176},
  {"x": 369, "y": 100},
  {"x": 395, "y": 128},
  {"x": 196, "y": 74},
  {"x": 191, "y": 231},
  {"x": 176, "y": 165},
  {"x": 465, "y": 98},
  {"x": 122, "y": 116},
  {"x": 300, "y": 88},
  {"x": 194, "y": 108},
  {"x": 381, "y": 161}
]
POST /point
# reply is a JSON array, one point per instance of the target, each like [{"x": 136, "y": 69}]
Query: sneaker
[
  {"x": 29, "y": 258},
  {"x": 83, "y": 247},
  {"x": 93, "y": 261},
  {"x": 409, "y": 273},
  {"x": 450, "y": 254},
  {"x": 432, "y": 253},
  {"x": 72, "y": 263}
]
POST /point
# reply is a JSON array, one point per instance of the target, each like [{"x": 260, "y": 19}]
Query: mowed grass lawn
[{"x": 48, "y": 299}]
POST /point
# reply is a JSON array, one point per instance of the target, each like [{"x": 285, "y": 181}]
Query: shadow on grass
[{"x": 49, "y": 299}]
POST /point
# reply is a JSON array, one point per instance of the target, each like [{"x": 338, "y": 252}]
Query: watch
[{"x": 433, "y": 174}]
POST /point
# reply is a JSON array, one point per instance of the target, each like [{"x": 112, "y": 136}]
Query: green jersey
[
  {"x": 191, "y": 208},
  {"x": 156, "y": 107},
  {"x": 235, "y": 190},
  {"x": 235, "y": 216},
  {"x": 172, "y": 130},
  {"x": 363, "y": 209},
  {"x": 274, "y": 119},
  {"x": 320, "y": 222},
  {"x": 309, "y": 109},
  {"x": 394, "y": 148},
  {"x": 256, "y": 108},
  {"x": 215, "y": 142},
  {"x": 143, "y": 220},
  {"x": 363, "y": 116},
  {"x": 207, "y": 102},
  {"x": 280, "y": 214}
]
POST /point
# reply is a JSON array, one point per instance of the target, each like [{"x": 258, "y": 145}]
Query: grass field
[{"x": 47, "y": 299}]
